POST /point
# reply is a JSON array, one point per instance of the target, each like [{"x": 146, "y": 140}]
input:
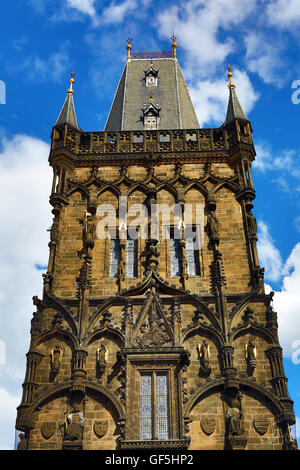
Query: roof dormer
[{"x": 151, "y": 76}]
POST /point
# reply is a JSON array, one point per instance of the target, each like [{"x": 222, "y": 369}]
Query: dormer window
[
  {"x": 151, "y": 80},
  {"x": 151, "y": 77},
  {"x": 150, "y": 115},
  {"x": 150, "y": 122}
]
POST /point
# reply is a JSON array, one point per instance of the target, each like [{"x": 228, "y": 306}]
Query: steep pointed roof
[
  {"x": 234, "y": 110},
  {"x": 68, "y": 114},
  {"x": 170, "y": 94}
]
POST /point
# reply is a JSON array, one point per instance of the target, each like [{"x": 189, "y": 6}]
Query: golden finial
[
  {"x": 128, "y": 47},
  {"x": 230, "y": 76},
  {"x": 150, "y": 97},
  {"x": 174, "y": 45},
  {"x": 70, "y": 90}
]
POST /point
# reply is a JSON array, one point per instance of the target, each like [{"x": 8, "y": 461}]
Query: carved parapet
[{"x": 174, "y": 444}]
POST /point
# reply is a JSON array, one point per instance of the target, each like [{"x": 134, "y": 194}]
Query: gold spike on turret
[
  {"x": 174, "y": 45},
  {"x": 230, "y": 76},
  {"x": 128, "y": 47},
  {"x": 70, "y": 90}
]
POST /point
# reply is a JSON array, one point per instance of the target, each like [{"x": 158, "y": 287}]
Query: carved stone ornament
[
  {"x": 208, "y": 425},
  {"x": 48, "y": 429},
  {"x": 261, "y": 425},
  {"x": 101, "y": 428}
]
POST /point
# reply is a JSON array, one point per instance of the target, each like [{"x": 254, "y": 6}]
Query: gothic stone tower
[{"x": 165, "y": 341}]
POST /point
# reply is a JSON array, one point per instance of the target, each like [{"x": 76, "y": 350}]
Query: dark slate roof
[
  {"x": 68, "y": 114},
  {"x": 170, "y": 95},
  {"x": 234, "y": 110}
]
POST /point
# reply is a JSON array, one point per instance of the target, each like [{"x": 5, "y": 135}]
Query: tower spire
[
  {"x": 68, "y": 114},
  {"x": 174, "y": 45},
  {"x": 234, "y": 109},
  {"x": 128, "y": 47}
]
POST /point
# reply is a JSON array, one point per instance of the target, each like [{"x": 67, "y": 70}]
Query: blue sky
[{"x": 43, "y": 40}]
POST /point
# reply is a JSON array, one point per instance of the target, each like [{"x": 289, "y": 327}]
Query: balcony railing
[{"x": 192, "y": 140}]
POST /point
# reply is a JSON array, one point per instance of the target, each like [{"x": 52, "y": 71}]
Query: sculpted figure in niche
[
  {"x": 234, "y": 418},
  {"x": 102, "y": 354},
  {"x": 204, "y": 355},
  {"x": 252, "y": 224},
  {"x": 74, "y": 425},
  {"x": 54, "y": 230},
  {"x": 89, "y": 232},
  {"x": 56, "y": 357},
  {"x": 250, "y": 355},
  {"x": 212, "y": 227},
  {"x": 122, "y": 269},
  {"x": 23, "y": 442}
]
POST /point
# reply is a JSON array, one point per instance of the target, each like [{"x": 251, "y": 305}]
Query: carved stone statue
[
  {"x": 250, "y": 356},
  {"x": 204, "y": 355},
  {"x": 89, "y": 232},
  {"x": 213, "y": 227},
  {"x": 102, "y": 353},
  {"x": 234, "y": 417},
  {"x": 74, "y": 426},
  {"x": 54, "y": 231},
  {"x": 234, "y": 422},
  {"x": 56, "y": 357},
  {"x": 122, "y": 269},
  {"x": 23, "y": 442},
  {"x": 252, "y": 224}
]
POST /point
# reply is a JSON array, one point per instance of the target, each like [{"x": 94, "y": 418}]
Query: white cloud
[
  {"x": 87, "y": 7},
  {"x": 297, "y": 427},
  {"x": 287, "y": 303},
  {"x": 84, "y": 6},
  {"x": 197, "y": 24},
  {"x": 39, "y": 5},
  {"x": 115, "y": 13},
  {"x": 8, "y": 404},
  {"x": 25, "y": 183},
  {"x": 297, "y": 223},
  {"x": 283, "y": 13},
  {"x": 269, "y": 255},
  {"x": 263, "y": 159},
  {"x": 283, "y": 164},
  {"x": 52, "y": 68},
  {"x": 210, "y": 98},
  {"x": 263, "y": 58}
]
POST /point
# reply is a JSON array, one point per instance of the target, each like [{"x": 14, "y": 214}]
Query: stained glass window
[
  {"x": 156, "y": 405},
  {"x": 131, "y": 258},
  {"x": 162, "y": 431},
  {"x": 114, "y": 257},
  {"x": 192, "y": 256},
  {"x": 146, "y": 407},
  {"x": 175, "y": 257}
]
